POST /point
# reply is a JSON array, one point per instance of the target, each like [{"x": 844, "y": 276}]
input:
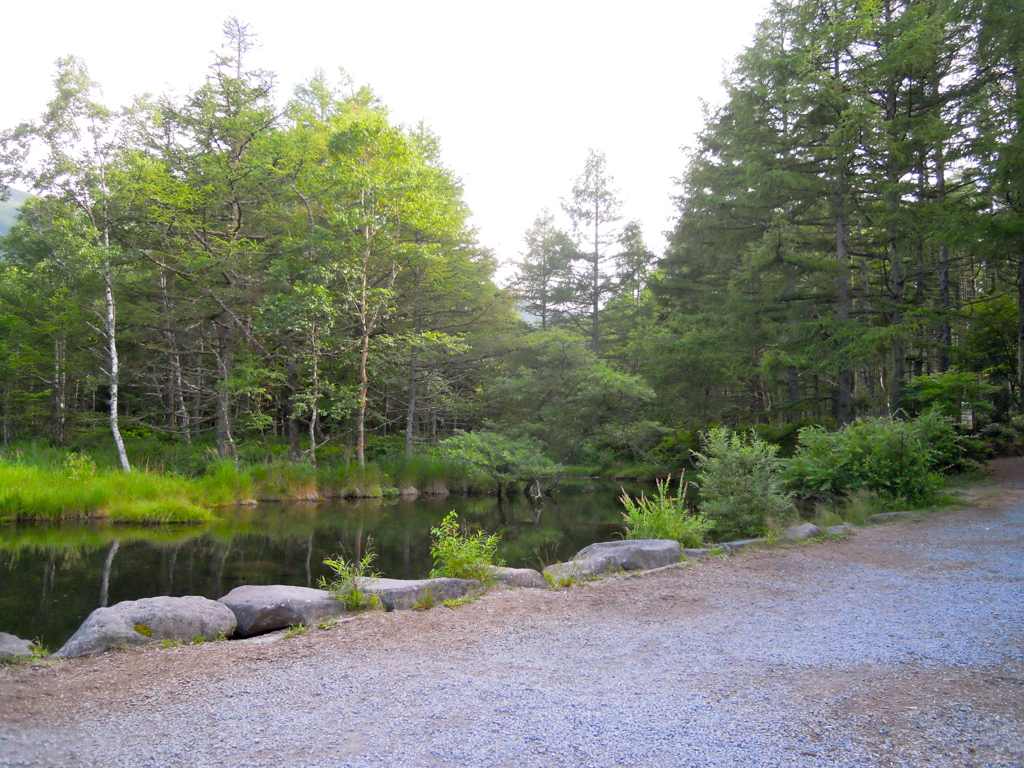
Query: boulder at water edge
[
  {"x": 518, "y": 577},
  {"x": 151, "y": 619},
  {"x": 635, "y": 554},
  {"x": 404, "y": 594},
  {"x": 582, "y": 569},
  {"x": 14, "y": 648},
  {"x": 260, "y": 609},
  {"x": 805, "y": 531}
]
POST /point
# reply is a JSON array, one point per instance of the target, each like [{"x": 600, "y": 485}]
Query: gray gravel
[{"x": 903, "y": 646}]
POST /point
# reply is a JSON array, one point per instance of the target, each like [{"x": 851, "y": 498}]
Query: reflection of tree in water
[{"x": 108, "y": 563}]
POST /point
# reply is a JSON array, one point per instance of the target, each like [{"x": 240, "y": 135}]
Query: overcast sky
[{"x": 517, "y": 92}]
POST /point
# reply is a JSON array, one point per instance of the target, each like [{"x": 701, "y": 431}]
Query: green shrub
[
  {"x": 665, "y": 517},
  {"x": 459, "y": 554},
  {"x": 890, "y": 458},
  {"x": 741, "y": 486}
]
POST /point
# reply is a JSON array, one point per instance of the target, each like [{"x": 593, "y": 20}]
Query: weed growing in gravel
[
  {"x": 38, "y": 651},
  {"x": 426, "y": 601},
  {"x": 455, "y": 602},
  {"x": 296, "y": 629},
  {"x": 329, "y": 623},
  {"x": 459, "y": 554},
  {"x": 557, "y": 582},
  {"x": 570, "y": 579},
  {"x": 169, "y": 643},
  {"x": 348, "y": 576}
]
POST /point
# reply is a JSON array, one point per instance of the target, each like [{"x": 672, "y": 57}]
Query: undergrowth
[
  {"x": 460, "y": 554},
  {"x": 664, "y": 516}
]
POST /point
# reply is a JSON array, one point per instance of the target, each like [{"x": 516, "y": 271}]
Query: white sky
[{"x": 516, "y": 92}]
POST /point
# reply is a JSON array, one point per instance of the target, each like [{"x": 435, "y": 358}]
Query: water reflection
[{"x": 51, "y": 577}]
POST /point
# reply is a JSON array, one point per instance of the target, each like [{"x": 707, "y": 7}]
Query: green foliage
[
  {"x": 740, "y": 484},
  {"x": 888, "y": 457},
  {"x": 225, "y": 483},
  {"x": 347, "y": 580},
  {"x": 282, "y": 480},
  {"x": 460, "y": 554},
  {"x": 665, "y": 517},
  {"x": 41, "y": 493},
  {"x": 554, "y": 389},
  {"x": 949, "y": 392},
  {"x": 295, "y": 630},
  {"x": 504, "y": 459}
]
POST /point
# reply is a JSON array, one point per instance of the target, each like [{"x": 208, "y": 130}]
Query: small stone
[
  {"x": 13, "y": 648},
  {"x": 839, "y": 529},
  {"x": 805, "y": 531},
  {"x": 518, "y": 577},
  {"x": 734, "y": 546},
  {"x": 582, "y": 569},
  {"x": 695, "y": 554},
  {"x": 882, "y": 517}
]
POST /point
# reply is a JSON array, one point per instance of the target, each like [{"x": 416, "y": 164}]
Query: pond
[{"x": 52, "y": 577}]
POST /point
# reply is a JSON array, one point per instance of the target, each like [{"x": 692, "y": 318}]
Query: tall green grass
[{"x": 79, "y": 490}]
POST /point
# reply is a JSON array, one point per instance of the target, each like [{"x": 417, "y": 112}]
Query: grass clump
[
  {"x": 78, "y": 490},
  {"x": 665, "y": 516},
  {"x": 348, "y": 577},
  {"x": 284, "y": 480},
  {"x": 459, "y": 554},
  {"x": 295, "y": 630}
]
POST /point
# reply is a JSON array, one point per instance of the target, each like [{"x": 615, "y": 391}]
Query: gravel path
[{"x": 902, "y": 646}]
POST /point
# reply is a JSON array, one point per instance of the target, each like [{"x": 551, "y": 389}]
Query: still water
[{"x": 52, "y": 577}]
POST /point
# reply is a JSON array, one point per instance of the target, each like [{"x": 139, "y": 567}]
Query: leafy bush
[
  {"x": 741, "y": 484},
  {"x": 504, "y": 459},
  {"x": 894, "y": 459},
  {"x": 949, "y": 392},
  {"x": 665, "y": 517},
  {"x": 348, "y": 576},
  {"x": 459, "y": 554}
]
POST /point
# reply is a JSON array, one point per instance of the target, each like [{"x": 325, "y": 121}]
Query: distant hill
[{"x": 9, "y": 209}]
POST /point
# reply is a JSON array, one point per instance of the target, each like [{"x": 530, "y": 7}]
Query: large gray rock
[
  {"x": 14, "y": 648},
  {"x": 260, "y": 609},
  {"x": 805, "y": 531},
  {"x": 518, "y": 577},
  {"x": 580, "y": 570},
  {"x": 635, "y": 554},
  {"x": 404, "y": 594},
  {"x": 151, "y": 619}
]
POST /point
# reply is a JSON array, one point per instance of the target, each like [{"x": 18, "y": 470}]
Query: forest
[{"x": 215, "y": 278}]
